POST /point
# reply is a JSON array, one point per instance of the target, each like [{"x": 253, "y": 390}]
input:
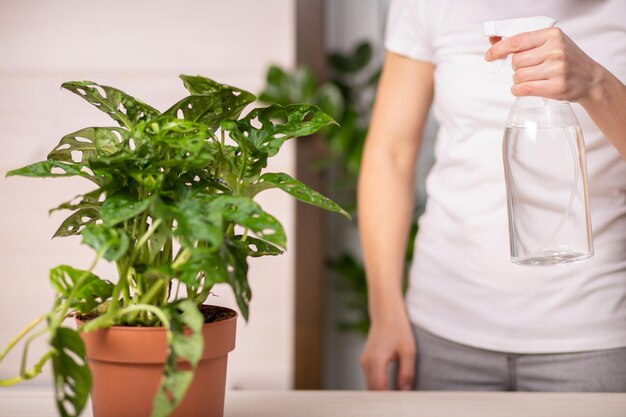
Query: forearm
[
  {"x": 386, "y": 189},
  {"x": 606, "y": 105},
  {"x": 387, "y": 177}
]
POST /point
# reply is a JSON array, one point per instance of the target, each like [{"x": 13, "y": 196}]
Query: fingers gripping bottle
[{"x": 545, "y": 173}]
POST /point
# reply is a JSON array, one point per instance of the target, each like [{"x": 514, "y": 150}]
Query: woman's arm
[
  {"x": 385, "y": 200},
  {"x": 549, "y": 64}
]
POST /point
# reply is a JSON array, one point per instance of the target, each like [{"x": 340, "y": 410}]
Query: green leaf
[
  {"x": 72, "y": 379},
  {"x": 175, "y": 382},
  {"x": 200, "y": 181},
  {"x": 206, "y": 261},
  {"x": 330, "y": 100},
  {"x": 181, "y": 135},
  {"x": 149, "y": 181},
  {"x": 210, "y": 102},
  {"x": 89, "y": 290},
  {"x": 296, "y": 189},
  {"x": 76, "y": 222},
  {"x": 124, "y": 109},
  {"x": 208, "y": 109},
  {"x": 120, "y": 207},
  {"x": 303, "y": 85},
  {"x": 81, "y": 146},
  {"x": 188, "y": 347},
  {"x": 87, "y": 201},
  {"x": 353, "y": 62},
  {"x": 235, "y": 256},
  {"x": 114, "y": 243},
  {"x": 51, "y": 168},
  {"x": 198, "y": 85},
  {"x": 196, "y": 221},
  {"x": 258, "y": 247},
  {"x": 279, "y": 124},
  {"x": 277, "y": 89},
  {"x": 245, "y": 212},
  {"x": 161, "y": 241}
]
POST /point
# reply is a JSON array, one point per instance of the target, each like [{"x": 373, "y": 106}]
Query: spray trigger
[{"x": 509, "y": 27}]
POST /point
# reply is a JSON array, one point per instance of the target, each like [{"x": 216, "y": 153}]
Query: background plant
[
  {"x": 348, "y": 96},
  {"x": 172, "y": 206}
]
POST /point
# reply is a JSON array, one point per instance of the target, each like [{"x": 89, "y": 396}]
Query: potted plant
[{"x": 173, "y": 207}]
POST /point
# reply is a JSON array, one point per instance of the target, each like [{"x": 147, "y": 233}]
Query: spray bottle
[{"x": 545, "y": 172}]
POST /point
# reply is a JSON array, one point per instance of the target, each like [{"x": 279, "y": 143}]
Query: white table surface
[{"x": 39, "y": 403}]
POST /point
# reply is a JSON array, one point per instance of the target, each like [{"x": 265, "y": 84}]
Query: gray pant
[{"x": 446, "y": 365}]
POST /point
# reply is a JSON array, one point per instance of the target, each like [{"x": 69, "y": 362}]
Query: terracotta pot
[{"x": 127, "y": 365}]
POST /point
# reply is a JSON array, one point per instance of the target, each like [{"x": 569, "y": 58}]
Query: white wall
[{"x": 140, "y": 47}]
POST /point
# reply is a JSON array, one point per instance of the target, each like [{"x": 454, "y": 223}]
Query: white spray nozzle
[{"x": 510, "y": 27}]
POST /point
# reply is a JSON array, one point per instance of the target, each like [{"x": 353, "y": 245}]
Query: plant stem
[
  {"x": 177, "y": 289},
  {"x": 20, "y": 335},
  {"x": 152, "y": 292},
  {"x": 181, "y": 257},
  {"x": 244, "y": 163},
  {"x": 122, "y": 282},
  {"x": 142, "y": 241},
  {"x": 25, "y": 351},
  {"x": 104, "y": 321},
  {"x": 30, "y": 374}
]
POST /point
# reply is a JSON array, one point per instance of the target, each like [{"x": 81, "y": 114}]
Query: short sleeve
[{"x": 407, "y": 32}]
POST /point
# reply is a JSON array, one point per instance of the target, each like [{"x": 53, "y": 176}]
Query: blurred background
[{"x": 308, "y": 316}]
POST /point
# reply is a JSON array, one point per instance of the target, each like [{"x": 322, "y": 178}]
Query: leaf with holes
[
  {"x": 76, "y": 222},
  {"x": 235, "y": 255},
  {"x": 120, "y": 207},
  {"x": 82, "y": 201},
  {"x": 81, "y": 146},
  {"x": 124, "y": 109},
  {"x": 180, "y": 134},
  {"x": 89, "y": 290},
  {"x": 245, "y": 212},
  {"x": 200, "y": 182},
  {"x": 209, "y": 109},
  {"x": 278, "y": 124},
  {"x": 198, "y": 85},
  {"x": 51, "y": 169},
  {"x": 196, "y": 221},
  {"x": 185, "y": 343},
  {"x": 258, "y": 247},
  {"x": 112, "y": 243},
  {"x": 296, "y": 189},
  {"x": 72, "y": 379}
]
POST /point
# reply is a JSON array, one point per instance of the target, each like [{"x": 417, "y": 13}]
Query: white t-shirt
[{"x": 463, "y": 285}]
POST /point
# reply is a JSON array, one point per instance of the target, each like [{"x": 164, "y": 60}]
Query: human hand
[
  {"x": 387, "y": 343},
  {"x": 548, "y": 64}
]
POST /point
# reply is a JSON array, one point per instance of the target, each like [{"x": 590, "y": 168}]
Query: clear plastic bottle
[{"x": 546, "y": 179}]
